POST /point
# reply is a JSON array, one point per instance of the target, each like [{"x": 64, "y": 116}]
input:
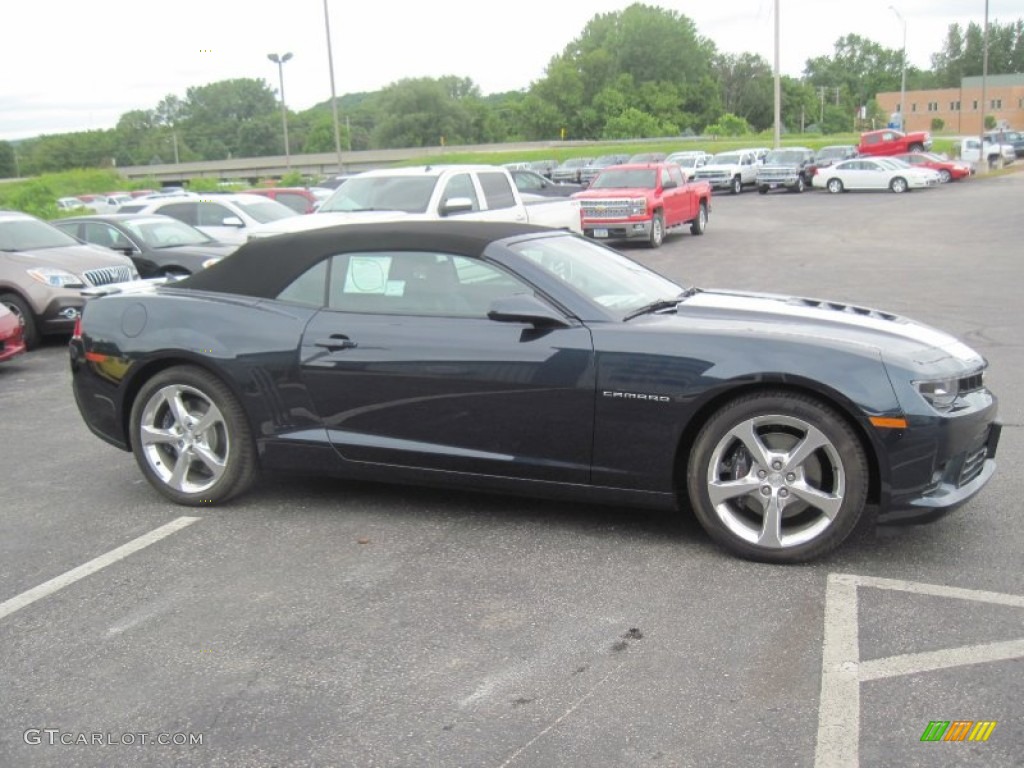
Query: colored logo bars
[{"x": 958, "y": 730}]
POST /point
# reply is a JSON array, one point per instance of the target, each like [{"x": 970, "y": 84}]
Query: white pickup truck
[
  {"x": 465, "y": 192},
  {"x": 730, "y": 170},
  {"x": 973, "y": 150}
]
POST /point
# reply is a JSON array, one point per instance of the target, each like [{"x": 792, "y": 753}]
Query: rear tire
[
  {"x": 917, "y": 148},
  {"x": 191, "y": 438},
  {"x": 21, "y": 310}
]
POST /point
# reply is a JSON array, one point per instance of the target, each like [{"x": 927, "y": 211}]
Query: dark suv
[{"x": 787, "y": 167}]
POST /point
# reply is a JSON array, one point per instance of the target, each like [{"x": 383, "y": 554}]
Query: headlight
[
  {"x": 55, "y": 278},
  {"x": 940, "y": 393},
  {"x": 210, "y": 262},
  {"x": 638, "y": 205}
]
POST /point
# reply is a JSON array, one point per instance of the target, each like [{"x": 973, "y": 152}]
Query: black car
[
  {"x": 514, "y": 358},
  {"x": 159, "y": 245},
  {"x": 533, "y": 183}
]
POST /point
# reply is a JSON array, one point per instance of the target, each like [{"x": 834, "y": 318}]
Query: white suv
[{"x": 227, "y": 218}]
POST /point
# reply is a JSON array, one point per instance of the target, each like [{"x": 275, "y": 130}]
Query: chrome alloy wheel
[
  {"x": 184, "y": 438},
  {"x": 776, "y": 481}
]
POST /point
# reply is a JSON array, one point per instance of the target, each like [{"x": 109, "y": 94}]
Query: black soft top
[{"x": 265, "y": 267}]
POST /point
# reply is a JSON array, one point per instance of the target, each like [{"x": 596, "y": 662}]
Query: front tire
[
  {"x": 800, "y": 185},
  {"x": 778, "y": 477},
  {"x": 737, "y": 185},
  {"x": 917, "y": 148},
  {"x": 21, "y": 310},
  {"x": 698, "y": 225},
  {"x": 835, "y": 186},
  {"x": 899, "y": 185},
  {"x": 657, "y": 231},
  {"x": 190, "y": 437}
]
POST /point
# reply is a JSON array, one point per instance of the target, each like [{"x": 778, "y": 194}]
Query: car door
[
  {"x": 406, "y": 369},
  {"x": 220, "y": 222},
  {"x": 499, "y": 198}
]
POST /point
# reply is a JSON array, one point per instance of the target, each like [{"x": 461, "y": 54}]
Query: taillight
[{"x": 77, "y": 333}]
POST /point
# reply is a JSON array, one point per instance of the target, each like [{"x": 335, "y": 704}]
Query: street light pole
[
  {"x": 334, "y": 99},
  {"x": 903, "y": 72},
  {"x": 280, "y": 60}
]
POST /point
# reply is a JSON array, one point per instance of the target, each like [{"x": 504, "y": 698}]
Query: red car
[
  {"x": 11, "y": 341},
  {"x": 299, "y": 199},
  {"x": 949, "y": 170}
]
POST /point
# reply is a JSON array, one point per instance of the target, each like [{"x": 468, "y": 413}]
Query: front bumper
[
  {"x": 957, "y": 459},
  {"x": 617, "y": 230}
]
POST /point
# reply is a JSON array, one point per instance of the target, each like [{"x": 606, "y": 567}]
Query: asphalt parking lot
[{"x": 333, "y": 623}]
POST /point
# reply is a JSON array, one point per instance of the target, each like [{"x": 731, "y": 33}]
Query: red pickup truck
[
  {"x": 890, "y": 142},
  {"x": 643, "y": 201}
]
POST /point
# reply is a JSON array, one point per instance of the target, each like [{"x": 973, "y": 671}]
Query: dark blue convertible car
[{"x": 518, "y": 359}]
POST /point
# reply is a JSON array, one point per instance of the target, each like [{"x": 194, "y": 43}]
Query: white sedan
[{"x": 874, "y": 173}]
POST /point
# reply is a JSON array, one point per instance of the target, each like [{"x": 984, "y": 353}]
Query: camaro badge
[{"x": 636, "y": 396}]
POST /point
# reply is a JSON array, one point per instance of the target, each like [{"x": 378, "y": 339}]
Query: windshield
[
  {"x": 575, "y": 162},
  {"x": 726, "y": 158},
  {"x": 410, "y": 194},
  {"x": 829, "y": 152},
  {"x": 270, "y": 210},
  {"x": 642, "y": 178},
  {"x": 31, "y": 235},
  {"x": 165, "y": 232},
  {"x": 602, "y": 275},
  {"x": 784, "y": 157}
]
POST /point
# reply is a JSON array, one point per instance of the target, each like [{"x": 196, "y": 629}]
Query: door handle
[{"x": 336, "y": 342}]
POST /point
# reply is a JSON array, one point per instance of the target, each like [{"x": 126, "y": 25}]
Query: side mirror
[
  {"x": 233, "y": 221},
  {"x": 525, "y": 309},
  {"x": 669, "y": 185},
  {"x": 456, "y": 205}
]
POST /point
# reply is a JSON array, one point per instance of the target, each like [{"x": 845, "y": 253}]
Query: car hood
[
  {"x": 610, "y": 192},
  {"x": 718, "y": 167},
  {"x": 73, "y": 258},
  {"x": 829, "y": 324},
  {"x": 322, "y": 219}
]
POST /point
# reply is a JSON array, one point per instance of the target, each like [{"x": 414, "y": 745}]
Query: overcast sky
[{"x": 74, "y": 65}]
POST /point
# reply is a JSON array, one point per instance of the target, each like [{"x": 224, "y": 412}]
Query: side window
[
  {"x": 497, "y": 191},
  {"x": 460, "y": 185},
  {"x": 872, "y": 138},
  {"x": 418, "y": 283},
  {"x": 181, "y": 211},
  {"x": 105, "y": 235},
  {"x": 676, "y": 174},
  {"x": 308, "y": 288},
  {"x": 213, "y": 214}
]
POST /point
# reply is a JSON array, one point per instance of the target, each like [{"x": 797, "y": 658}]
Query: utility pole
[
  {"x": 778, "y": 84},
  {"x": 280, "y": 60}
]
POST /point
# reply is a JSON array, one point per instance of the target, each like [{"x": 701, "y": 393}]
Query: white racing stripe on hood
[{"x": 785, "y": 306}]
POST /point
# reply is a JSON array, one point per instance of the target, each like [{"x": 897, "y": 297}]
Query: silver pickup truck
[{"x": 466, "y": 192}]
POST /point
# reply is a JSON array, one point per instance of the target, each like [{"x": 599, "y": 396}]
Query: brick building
[{"x": 960, "y": 108}]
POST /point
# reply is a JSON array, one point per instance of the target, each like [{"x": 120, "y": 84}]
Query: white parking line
[
  {"x": 70, "y": 577},
  {"x": 842, "y": 670}
]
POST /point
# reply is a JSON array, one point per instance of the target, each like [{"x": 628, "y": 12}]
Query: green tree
[
  {"x": 634, "y": 124},
  {"x": 746, "y": 84},
  {"x": 212, "y": 117},
  {"x": 728, "y": 125},
  {"x": 8, "y": 167}
]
